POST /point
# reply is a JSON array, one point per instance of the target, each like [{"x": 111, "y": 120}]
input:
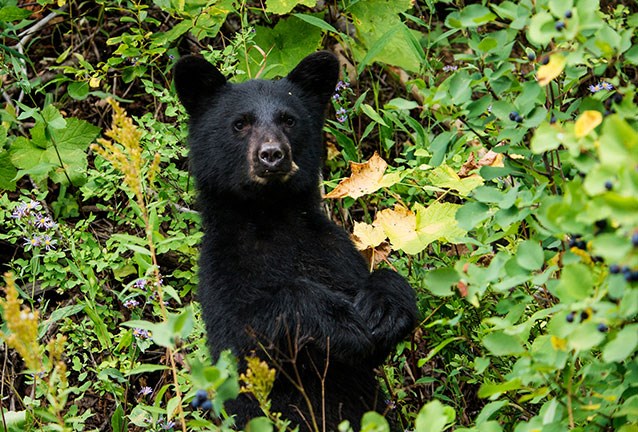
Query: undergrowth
[{"x": 498, "y": 171}]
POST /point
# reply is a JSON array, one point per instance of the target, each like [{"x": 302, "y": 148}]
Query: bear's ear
[
  {"x": 196, "y": 80},
  {"x": 317, "y": 75}
]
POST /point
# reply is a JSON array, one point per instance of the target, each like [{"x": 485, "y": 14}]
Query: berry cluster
[
  {"x": 516, "y": 117},
  {"x": 585, "y": 315},
  {"x": 560, "y": 25},
  {"x": 201, "y": 401}
]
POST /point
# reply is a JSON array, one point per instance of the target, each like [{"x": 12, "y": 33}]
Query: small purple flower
[
  {"x": 606, "y": 86},
  {"x": 342, "y": 115},
  {"x": 140, "y": 283},
  {"x": 34, "y": 241},
  {"x": 342, "y": 85},
  {"x": 145, "y": 391},
  {"x": 131, "y": 303},
  {"x": 141, "y": 333},
  {"x": 20, "y": 211},
  {"x": 43, "y": 222},
  {"x": 450, "y": 68},
  {"x": 32, "y": 205},
  {"x": 48, "y": 242},
  {"x": 168, "y": 425},
  {"x": 336, "y": 97}
]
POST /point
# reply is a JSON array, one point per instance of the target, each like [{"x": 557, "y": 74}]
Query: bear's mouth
[{"x": 282, "y": 173}]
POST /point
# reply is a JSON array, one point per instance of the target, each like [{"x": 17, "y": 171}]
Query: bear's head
[{"x": 257, "y": 137}]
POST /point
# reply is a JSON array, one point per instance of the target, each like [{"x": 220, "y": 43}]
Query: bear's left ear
[
  {"x": 196, "y": 81},
  {"x": 317, "y": 75}
]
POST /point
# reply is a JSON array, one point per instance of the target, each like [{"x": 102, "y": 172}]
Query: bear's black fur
[{"x": 277, "y": 277}]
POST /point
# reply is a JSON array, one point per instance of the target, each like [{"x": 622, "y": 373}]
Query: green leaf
[
  {"x": 370, "y": 112},
  {"x": 576, "y": 283},
  {"x": 285, "y": 46},
  {"x": 530, "y": 255},
  {"x": 7, "y": 172},
  {"x": 282, "y": 7},
  {"x": 471, "y": 214},
  {"x": 445, "y": 177},
  {"x": 374, "y": 422},
  {"x": 78, "y": 90},
  {"x": 471, "y": 16},
  {"x": 434, "y": 417},
  {"x": 317, "y": 22},
  {"x": 491, "y": 389},
  {"x": 623, "y": 345},
  {"x": 259, "y": 424},
  {"x": 502, "y": 344},
  {"x": 145, "y": 368},
  {"x": 13, "y": 13},
  {"x": 440, "y": 281}
]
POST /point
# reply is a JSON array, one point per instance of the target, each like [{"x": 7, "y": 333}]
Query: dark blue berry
[
  {"x": 602, "y": 328},
  {"x": 568, "y": 14},
  {"x": 614, "y": 269},
  {"x": 634, "y": 239},
  {"x": 560, "y": 25},
  {"x": 625, "y": 270},
  {"x": 584, "y": 315},
  {"x": 518, "y": 118},
  {"x": 617, "y": 97},
  {"x": 609, "y": 185},
  {"x": 631, "y": 276},
  {"x": 580, "y": 244},
  {"x": 545, "y": 60},
  {"x": 196, "y": 403},
  {"x": 207, "y": 405},
  {"x": 513, "y": 115},
  {"x": 201, "y": 394},
  {"x": 552, "y": 120},
  {"x": 570, "y": 317},
  {"x": 531, "y": 56}
]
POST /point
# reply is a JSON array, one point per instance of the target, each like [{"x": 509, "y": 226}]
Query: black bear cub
[{"x": 278, "y": 279}]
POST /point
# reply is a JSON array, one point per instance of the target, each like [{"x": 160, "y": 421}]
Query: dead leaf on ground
[{"x": 366, "y": 178}]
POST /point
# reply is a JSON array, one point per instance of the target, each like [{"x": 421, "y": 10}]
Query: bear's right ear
[{"x": 196, "y": 80}]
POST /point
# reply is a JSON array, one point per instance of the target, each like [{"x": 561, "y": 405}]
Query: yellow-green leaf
[
  {"x": 551, "y": 70},
  {"x": 587, "y": 122}
]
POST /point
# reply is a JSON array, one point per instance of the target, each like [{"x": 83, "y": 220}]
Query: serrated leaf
[
  {"x": 546, "y": 73},
  {"x": 412, "y": 232},
  {"x": 366, "y": 178},
  {"x": 282, "y": 7},
  {"x": 587, "y": 122},
  {"x": 366, "y": 236},
  {"x": 445, "y": 177}
]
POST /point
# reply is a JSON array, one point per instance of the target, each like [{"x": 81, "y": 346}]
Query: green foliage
[{"x": 510, "y": 202}]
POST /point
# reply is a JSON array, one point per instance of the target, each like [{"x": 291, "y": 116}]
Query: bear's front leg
[
  {"x": 387, "y": 304},
  {"x": 307, "y": 312}
]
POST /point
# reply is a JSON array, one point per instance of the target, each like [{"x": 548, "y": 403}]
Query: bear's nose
[{"x": 271, "y": 155}]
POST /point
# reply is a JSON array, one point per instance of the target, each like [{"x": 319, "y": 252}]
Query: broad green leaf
[
  {"x": 13, "y": 13},
  {"x": 282, "y": 7},
  {"x": 530, "y": 255},
  {"x": 585, "y": 337},
  {"x": 374, "y": 422},
  {"x": 473, "y": 15},
  {"x": 285, "y": 46},
  {"x": 7, "y": 172},
  {"x": 471, "y": 214},
  {"x": 434, "y": 417},
  {"x": 445, "y": 177},
  {"x": 502, "y": 344},
  {"x": 259, "y": 424},
  {"x": 576, "y": 283},
  {"x": 547, "y": 137},
  {"x": 618, "y": 143},
  {"x": 412, "y": 232},
  {"x": 441, "y": 281},
  {"x": 623, "y": 345}
]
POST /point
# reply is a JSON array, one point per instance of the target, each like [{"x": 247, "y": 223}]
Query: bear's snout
[
  {"x": 272, "y": 160},
  {"x": 271, "y": 155}
]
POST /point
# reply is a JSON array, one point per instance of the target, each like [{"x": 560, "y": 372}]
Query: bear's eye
[
  {"x": 239, "y": 125},
  {"x": 288, "y": 121}
]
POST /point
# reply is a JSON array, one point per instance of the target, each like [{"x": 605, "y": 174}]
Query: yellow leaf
[
  {"x": 558, "y": 344},
  {"x": 366, "y": 236},
  {"x": 366, "y": 178},
  {"x": 587, "y": 122},
  {"x": 412, "y": 232},
  {"x": 551, "y": 70}
]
